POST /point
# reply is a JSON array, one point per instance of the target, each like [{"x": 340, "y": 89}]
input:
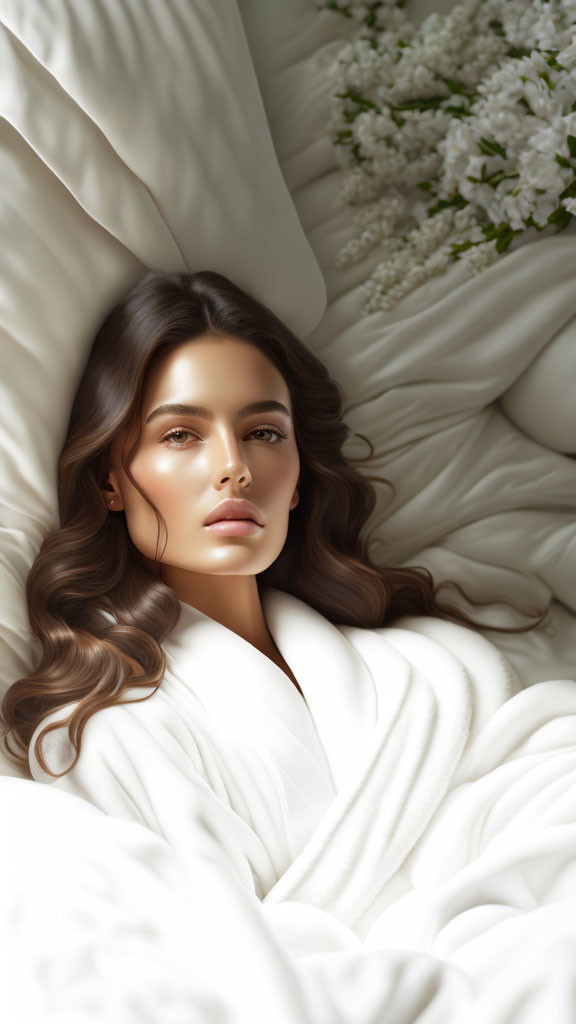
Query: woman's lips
[{"x": 233, "y": 527}]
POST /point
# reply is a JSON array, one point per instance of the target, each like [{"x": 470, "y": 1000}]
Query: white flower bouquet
[{"x": 477, "y": 110}]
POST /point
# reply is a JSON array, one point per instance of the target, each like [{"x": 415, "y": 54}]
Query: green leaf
[
  {"x": 429, "y": 103},
  {"x": 494, "y": 179},
  {"x": 554, "y": 63},
  {"x": 569, "y": 192},
  {"x": 491, "y": 179},
  {"x": 371, "y": 20},
  {"x": 356, "y": 150},
  {"x": 462, "y": 246},
  {"x": 496, "y": 26},
  {"x": 487, "y": 146},
  {"x": 459, "y": 111},
  {"x": 457, "y": 88},
  {"x": 506, "y": 237},
  {"x": 357, "y": 98},
  {"x": 515, "y": 51},
  {"x": 545, "y": 78},
  {"x": 456, "y": 200},
  {"x": 531, "y": 223},
  {"x": 561, "y": 217}
]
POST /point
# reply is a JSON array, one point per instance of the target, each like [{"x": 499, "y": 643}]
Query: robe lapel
[
  {"x": 337, "y": 685},
  {"x": 265, "y": 723},
  {"x": 387, "y": 716},
  {"x": 420, "y": 731}
]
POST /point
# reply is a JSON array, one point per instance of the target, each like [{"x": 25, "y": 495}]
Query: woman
[
  {"x": 312, "y": 708},
  {"x": 197, "y": 337}
]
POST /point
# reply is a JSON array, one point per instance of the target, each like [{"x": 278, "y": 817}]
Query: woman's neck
[{"x": 233, "y": 601}]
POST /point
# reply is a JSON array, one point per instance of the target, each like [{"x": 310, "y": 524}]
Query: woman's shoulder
[
  {"x": 444, "y": 653},
  {"x": 465, "y": 642},
  {"x": 137, "y": 761},
  {"x": 417, "y": 637},
  {"x": 110, "y": 722},
  {"x": 137, "y": 729}
]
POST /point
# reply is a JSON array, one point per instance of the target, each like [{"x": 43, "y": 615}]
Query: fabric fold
[{"x": 377, "y": 844}]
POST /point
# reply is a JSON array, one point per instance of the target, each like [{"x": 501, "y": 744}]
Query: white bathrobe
[{"x": 398, "y": 846}]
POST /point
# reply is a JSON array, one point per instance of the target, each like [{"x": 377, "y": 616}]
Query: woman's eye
[
  {"x": 175, "y": 433},
  {"x": 269, "y": 430},
  {"x": 167, "y": 439}
]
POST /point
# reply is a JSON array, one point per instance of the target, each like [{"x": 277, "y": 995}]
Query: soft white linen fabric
[
  {"x": 132, "y": 137},
  {"x": 465, "y": 388},
  {"x": 402, "y": 845},
  {"x": 431, "y": 877}
]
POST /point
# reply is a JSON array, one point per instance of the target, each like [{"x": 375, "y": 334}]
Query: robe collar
[{"x": 340, "y": 701}]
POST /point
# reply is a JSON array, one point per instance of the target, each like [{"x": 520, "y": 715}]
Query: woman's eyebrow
[{"x": 180, "y": 409}]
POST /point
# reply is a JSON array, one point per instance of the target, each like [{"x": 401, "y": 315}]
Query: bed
[
  {"x": 465, "y": 388},
  {"x": 470, "y": 398}
]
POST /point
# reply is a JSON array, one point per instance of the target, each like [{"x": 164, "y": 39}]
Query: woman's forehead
[{"x": 212, "y": 371}]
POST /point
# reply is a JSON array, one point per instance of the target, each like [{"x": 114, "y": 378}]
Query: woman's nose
[{"x": 228, "y": 460}]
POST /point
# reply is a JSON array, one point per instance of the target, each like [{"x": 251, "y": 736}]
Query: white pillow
[
  {"x": 133, "y": 137},
  {"x": 541, "y": 402}
]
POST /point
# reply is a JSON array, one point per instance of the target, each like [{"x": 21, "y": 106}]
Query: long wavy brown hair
[{"x": 90, "y": 565}]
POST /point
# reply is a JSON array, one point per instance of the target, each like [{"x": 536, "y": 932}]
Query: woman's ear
[
  {"x": 295, "y": 499},
  {"x": 111, "y": 494}
]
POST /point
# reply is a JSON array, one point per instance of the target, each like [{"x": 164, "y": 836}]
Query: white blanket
[{"x": 398, "y": 846}]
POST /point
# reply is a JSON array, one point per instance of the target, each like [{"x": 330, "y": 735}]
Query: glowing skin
[{"x": 205, "y": 462}]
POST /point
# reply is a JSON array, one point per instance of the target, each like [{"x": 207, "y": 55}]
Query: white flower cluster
[{"x": 477, "y": 110}]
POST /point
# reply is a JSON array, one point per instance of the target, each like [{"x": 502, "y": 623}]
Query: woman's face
[{"x": 188, "y": 462}]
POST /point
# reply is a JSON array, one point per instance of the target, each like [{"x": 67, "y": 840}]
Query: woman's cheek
[{"x": 161, "y": 475}]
